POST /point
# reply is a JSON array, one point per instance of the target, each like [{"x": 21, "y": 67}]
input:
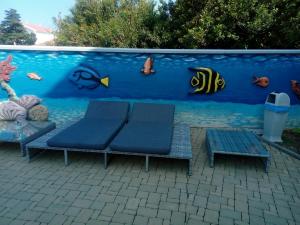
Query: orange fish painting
[
  {"x": 148, "y": 66},
  {"x": 34, "y": 76},
  {"x": 261, "y": 81},
  {"x": 296, "y": 87}
]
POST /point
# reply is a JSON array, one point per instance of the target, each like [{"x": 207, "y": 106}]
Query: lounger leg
[
  {"x": 267, "y": 162},
  {"x": 23, "y": 150},
  {"x": 105, "y": 160},
  {"x": 28, "y": 154},
  {"x": 66, "y": 157},
  {"x": 211, "y": 160},
  {"x": 190, "y": 167},
  {"x": 147, "y": 163}
]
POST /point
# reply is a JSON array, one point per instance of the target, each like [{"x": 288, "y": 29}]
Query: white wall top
[{"x": 147, "y": 51}]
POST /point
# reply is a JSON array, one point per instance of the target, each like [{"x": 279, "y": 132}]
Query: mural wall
[{"x": 243, "y": 78}]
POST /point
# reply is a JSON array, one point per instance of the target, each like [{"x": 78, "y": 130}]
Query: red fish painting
[
  {"x": 296, "y": 87},
  {"x": 148, "y": 66},
  {"x": 261, "y": 81}
]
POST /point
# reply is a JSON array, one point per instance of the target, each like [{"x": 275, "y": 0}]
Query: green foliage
[
  {"x": 13, "y": 32},
  {"x": 182, "y": 24},
  {"x": 237, "y": 23},
  {"x": 109, "y": 23}
]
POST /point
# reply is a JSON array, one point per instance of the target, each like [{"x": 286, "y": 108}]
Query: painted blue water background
[
  {"x": 239, "y": 104},
  {"x": 204, "y": 114}
]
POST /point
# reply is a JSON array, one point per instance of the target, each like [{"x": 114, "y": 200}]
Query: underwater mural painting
[
  {"x": 104, "y": 74},
  {"x": 18, "y": 108}
]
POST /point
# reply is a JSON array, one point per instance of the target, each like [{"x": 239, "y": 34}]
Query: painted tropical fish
[
  {"x": 296, "y": 87},
  {"x": 148, "y": 66},
  {"x": 85, "y": 76},
  {"x": 261, "y": 81},
  {"x": 206, "y": 81},
  {"x": 34, "y": 76}
]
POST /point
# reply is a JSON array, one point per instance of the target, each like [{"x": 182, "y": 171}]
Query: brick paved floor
[{"x": 235, "y": 191}]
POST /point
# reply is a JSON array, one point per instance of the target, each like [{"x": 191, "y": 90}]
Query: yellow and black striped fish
[{"x": 206, "y": 81}]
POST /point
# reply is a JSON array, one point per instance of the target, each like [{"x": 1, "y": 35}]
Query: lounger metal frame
[
  {"x": 23, "y": 141},
  {"x": 181, "y": 147},
  {"x": 38, "y": 146}
]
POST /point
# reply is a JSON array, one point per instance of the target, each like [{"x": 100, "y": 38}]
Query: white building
[{"x": 44, "y": 35}]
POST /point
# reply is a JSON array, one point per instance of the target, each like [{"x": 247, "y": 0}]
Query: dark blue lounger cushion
[
  {"x": 87, "y": 134},
  {"x": 144, "y": 137},
  {"x": 101, "y": 123},
  {"x": 150, "y": 112},
  {"x": 150, "y": 130},
  {"x": 107, "y": 110}
]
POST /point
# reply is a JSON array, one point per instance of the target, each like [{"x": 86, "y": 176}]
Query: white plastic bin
[{"x": 275, "y": 115}]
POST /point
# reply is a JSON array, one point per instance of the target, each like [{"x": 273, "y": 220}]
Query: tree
[
  {"x": 236, "y": 23},
  {"x": 109, "y": 23},
  {"x": 13, "y": 32},
  {"x": 182, "y": 24}
]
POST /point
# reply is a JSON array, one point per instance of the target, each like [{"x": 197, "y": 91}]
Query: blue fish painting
[{"x": 87, "y": 77}]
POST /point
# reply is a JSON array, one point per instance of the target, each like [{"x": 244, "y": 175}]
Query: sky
[{"x": 38, "y": 12}]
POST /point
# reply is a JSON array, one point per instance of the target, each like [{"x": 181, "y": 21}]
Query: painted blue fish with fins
[
  {"x": 85, "y": 76},
  {"x": 206, "y": 80}
]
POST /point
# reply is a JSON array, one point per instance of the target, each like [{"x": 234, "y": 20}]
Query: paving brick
[
  {"x": 211, "y": 216},
  {"x": 138, "y": 220},
  {"x": 58, "y": 220},
  {"x": 132, "y": 203},
  {"x": 84, "y": 215},
  {"x": 16, "y": 222},
  {"x": 29, "y": 215},
  {"x": 231, "y": 214},
  {"x": 147, "y": 212},
  {"x": 82, "y": 203},
  {"x": 123, "y": 218},
  {"x": 109, "y": 209},
  {"x": 155, "y": 221},
  {"x": 46, "y": 217},
  {"x": 96, "y": 222},
  {"x": 177, "y": 218}
]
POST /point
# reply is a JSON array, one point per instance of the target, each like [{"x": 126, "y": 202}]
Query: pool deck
[{"x": 235, "y": 191}]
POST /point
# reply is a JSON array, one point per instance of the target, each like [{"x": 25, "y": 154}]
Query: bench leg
[
  {"x": 190, "y": 167},
  {"x": 211, "y": 159},
  {"x": 66, "y": 157},
  {"x": 147, "y": 163}
]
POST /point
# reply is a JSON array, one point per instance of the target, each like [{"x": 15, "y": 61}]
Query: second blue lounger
[{"x": 149, "y": 130}]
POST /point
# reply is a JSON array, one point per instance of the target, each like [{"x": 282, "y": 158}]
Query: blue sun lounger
[
  {"x": 93, "y": 133},
  {"x": 150, "y": 132}
]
